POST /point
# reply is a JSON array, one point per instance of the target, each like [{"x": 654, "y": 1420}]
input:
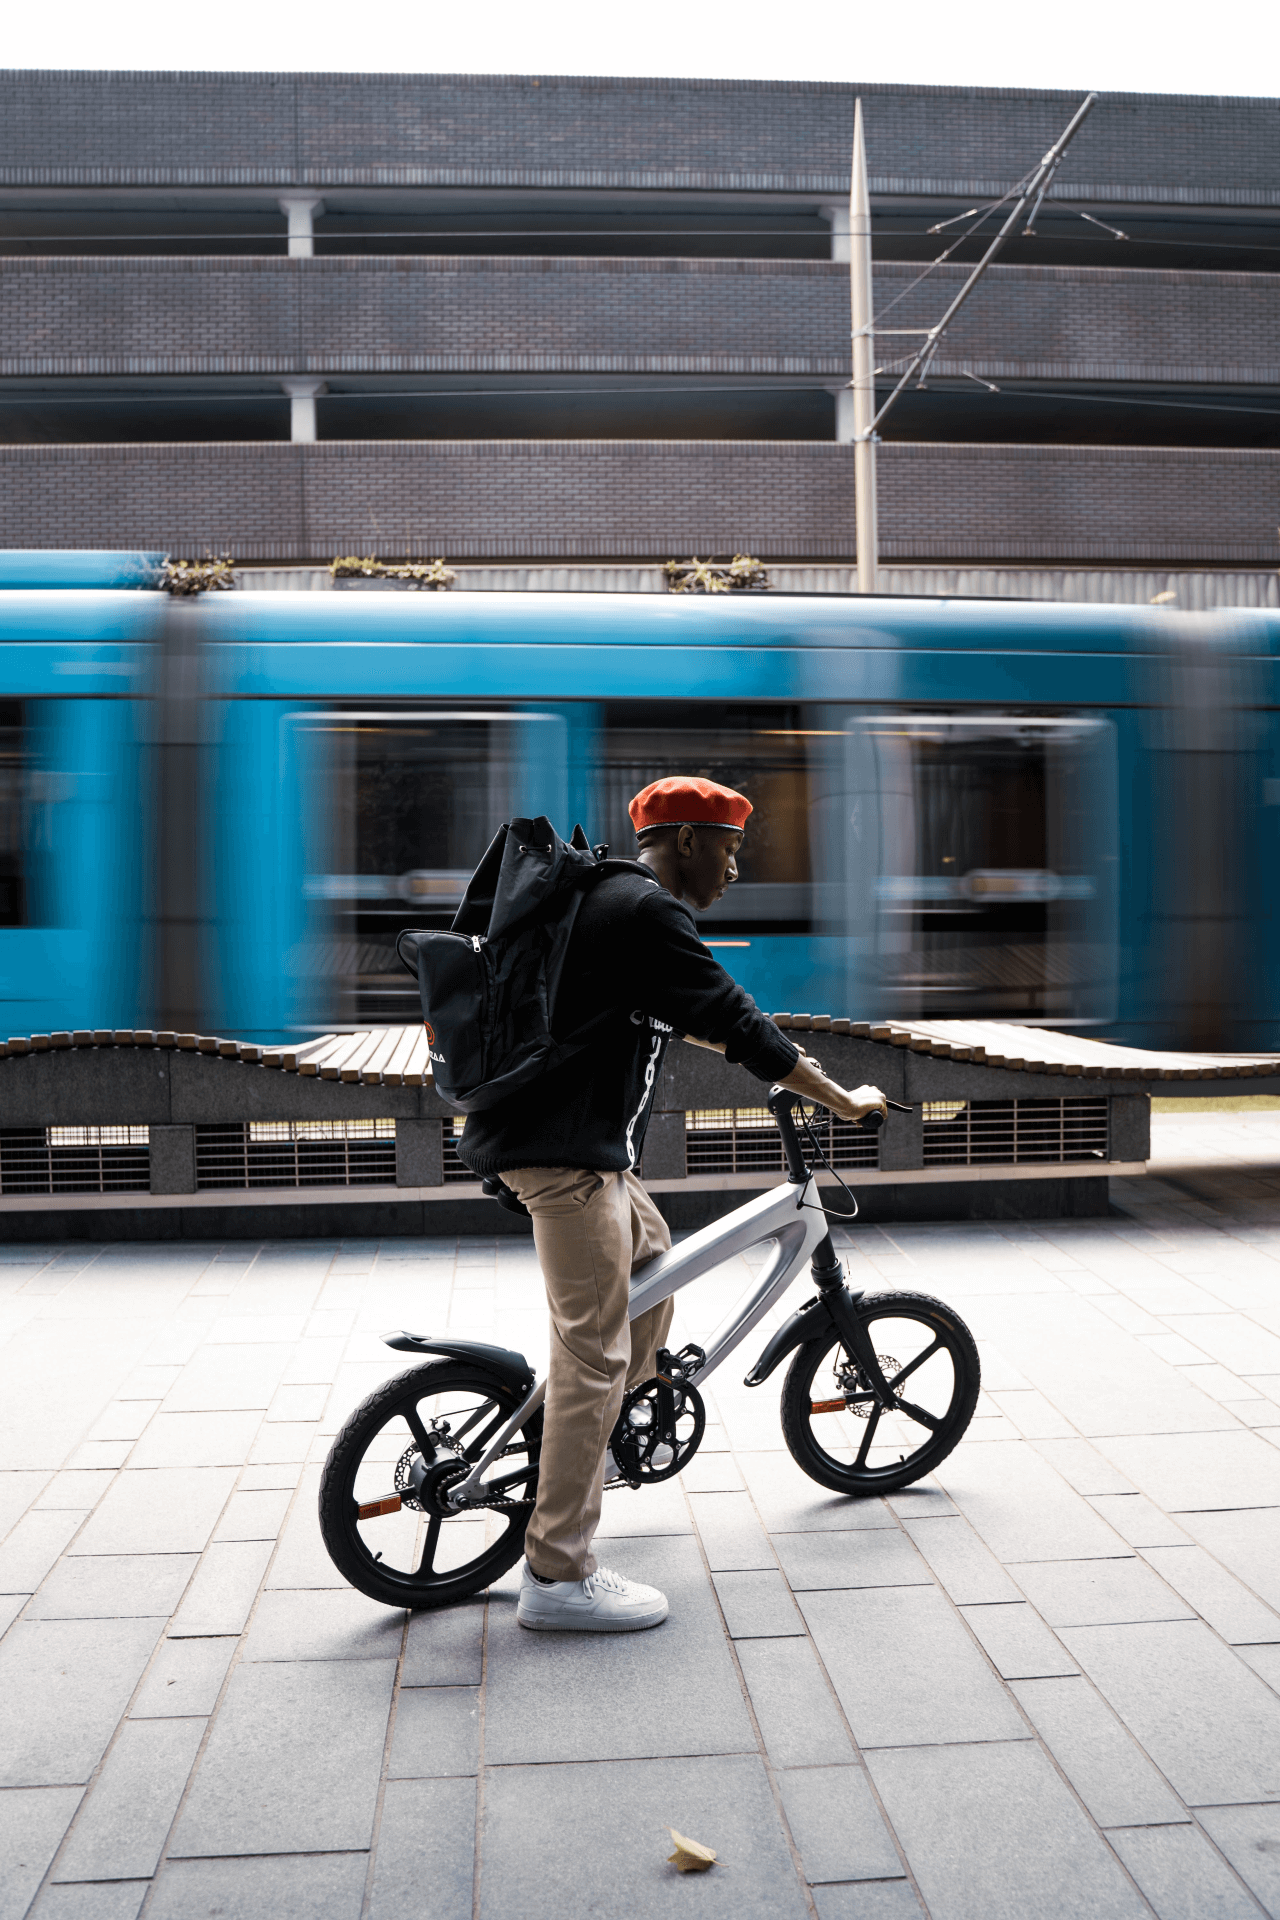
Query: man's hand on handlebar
[{"x": 808, "y": 1080}]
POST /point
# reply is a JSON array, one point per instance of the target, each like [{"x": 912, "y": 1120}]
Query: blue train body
[{"x": 219, "y": 813}]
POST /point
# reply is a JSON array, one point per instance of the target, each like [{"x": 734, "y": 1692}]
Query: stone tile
[
  {"x": 1020, "y": 1506},
  {"x": 875, "y": 1900},
  {"x": 33, "y": 1546},
  {"x": 282, "y": 1475},
  {"x": 1210, "y": 1591},
  {"x": 870, "y": 1558},
  {"x": 799, "y": 1721},
  {"x": 307, "y": 1887},
  {"x": 1017, "y": 1642},
  {"x": 1082, "y": 1467},
  {"x": 426, "y": 1839},
  {"x": 76, "y": 1490},
  {"x": 18, "y": 1491},
  {"x": 1232, "y": 1339},
  {"x": 221, "y": 1595},
  {"x": 924, "y": 1501},
  {"x": 1098, "y": 1593},
  {"x": 100, "y": 1900},
  {"x": 123, "y": 1420},
  {"x": 1247, "y": 1542},
  {"x": 32, "y": 1823},
  {"x": 292, "y": 1762},
  {"x": 1138, "y": 1523},
  {"x": 228, "y": 1380},
  {"x": 1265, "y": 1661},
  {"x": 1210, "y": 1725},
  {"x": 627, "y": 1515},
  {"x": 11, "y": 1605},
  {"x": 732, "y": 1537},
  {"x": 1250, "y": 1838},
  {"x": 158, "y": 1510},
  {"x": 184, "y": 1679},
  {"x": 445, "y": 1648},
  {"x": 789, "y": 1502},
  {"x": 1033, "y": 1415},
  {"x": 281, "y": 1444},
  {"x": 125, "y": 1821},
  {"x": 757, "y": 1605},
  {"x": 836, "y": 1825},
  {"x": 436, "y": 1733},
  {"x": 323, "y": 1625},
  {"x": 711, "y": 1473},
  {"x": 550, "y": 1698},
  {"x": 992, "y": 1830},
  {"x": 905, "y": 1670},
  {"x": 1181, "y": 1874},
  {"x": 98, "y": 1456},
  {"x": 550, "y": 1828},
  {"x": 1113, "y": 1777},
  {"x": 63, "y": 1687},
  {"x": 957, "y": 1559},
  {"x": 255, "y": 1329},
  {"x": 111, "y": 1587},
  {"x": 1186, "y": 1473},
  {"x": 256, "y": 1515},
  {"x": 301, "y": 1560},
  {"x": 196, "y": 1440},
  {"x": 299, "y": 1401}
]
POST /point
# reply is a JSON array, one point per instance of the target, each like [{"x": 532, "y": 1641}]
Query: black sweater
[{"x": 635, "y": 955}]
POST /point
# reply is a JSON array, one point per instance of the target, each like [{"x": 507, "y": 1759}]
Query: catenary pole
[{"x": 866, "y": 528}]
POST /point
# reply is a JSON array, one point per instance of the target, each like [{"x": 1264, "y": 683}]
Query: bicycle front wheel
[
  {"x": 384, "y": 1509},
  {"x": 831, "y": 1422}
]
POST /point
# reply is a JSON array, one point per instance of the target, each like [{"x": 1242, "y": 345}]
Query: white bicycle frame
[{"x": 789, "y": 1219}]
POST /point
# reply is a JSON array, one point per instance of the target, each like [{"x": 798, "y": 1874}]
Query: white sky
[{"x": 1228, "y": 47}]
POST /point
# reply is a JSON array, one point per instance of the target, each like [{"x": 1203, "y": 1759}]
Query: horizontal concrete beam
[
  {"x": 530, "y": 499},
  {"x": 334, "y": 130},
  {"x": 414, "y": 314}
]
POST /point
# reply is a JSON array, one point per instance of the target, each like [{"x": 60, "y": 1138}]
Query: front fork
[{"x": 841, "y": 1304}]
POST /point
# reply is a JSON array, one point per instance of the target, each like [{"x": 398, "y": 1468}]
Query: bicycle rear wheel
[
  {"x": 830, "y": 1420},
  {"x": 384, "y": 1512}
]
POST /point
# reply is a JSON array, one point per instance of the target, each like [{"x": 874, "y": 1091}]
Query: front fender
[{"x": 805, "y": 1324}]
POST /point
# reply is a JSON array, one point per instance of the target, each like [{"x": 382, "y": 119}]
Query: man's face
[{"x": 707, "y": 863}]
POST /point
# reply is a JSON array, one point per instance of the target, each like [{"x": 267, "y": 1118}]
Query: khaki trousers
[{"x": 591, "y": 1231}]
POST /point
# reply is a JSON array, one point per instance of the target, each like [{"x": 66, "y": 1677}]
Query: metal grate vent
[
  {"x": 75, "y": 1159},
  {"x": 297, "y": 1153},
  {"x": 973, "y": 1133},
  {"x": 745, "y": 1140},
  {"x": 454, "y": 1167}
]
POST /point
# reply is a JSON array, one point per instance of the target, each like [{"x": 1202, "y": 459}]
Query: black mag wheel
[
  {"x": 831, "y": 1423},
  {"x": 384, "y": 1511}
]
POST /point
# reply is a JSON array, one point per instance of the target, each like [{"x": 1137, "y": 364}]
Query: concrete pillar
[
  {"x": 173, "y": 1159},
  {"x": 836, "y": 213},
  {"x": 664, "y": 1147},
  {"x": 844, "y": 410},
  {"x": 302, "y": 419},
  {"x": 419, "y": 1154},
  {"x": 300, "y": 209}
]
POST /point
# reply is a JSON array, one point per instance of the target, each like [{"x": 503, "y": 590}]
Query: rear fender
[
  {"x": 811, "y": 1320},
  {"x": 501, "y": 1360}
]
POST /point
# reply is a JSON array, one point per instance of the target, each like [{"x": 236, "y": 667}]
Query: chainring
[{"x": 659, "y": 1429}]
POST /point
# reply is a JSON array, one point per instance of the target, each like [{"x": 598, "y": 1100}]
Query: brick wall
[
  {"x": 566, "y": 499},
  {"x": 414, "y": 314},
  {"x": 423, "y": 129}
]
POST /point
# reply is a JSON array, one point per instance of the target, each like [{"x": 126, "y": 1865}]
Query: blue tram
[{"x": 218, "y": 814}]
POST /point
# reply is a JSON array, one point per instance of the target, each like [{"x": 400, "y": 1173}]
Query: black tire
[
  {"x": 387, "y": 1451},
  {"x": 848, "y": 1451}
]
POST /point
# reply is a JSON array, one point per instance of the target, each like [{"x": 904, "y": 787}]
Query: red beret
[{"x": 689, "y": 803}]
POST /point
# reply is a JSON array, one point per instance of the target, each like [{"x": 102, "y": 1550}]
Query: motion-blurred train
[{"x": 216, "y": 814}]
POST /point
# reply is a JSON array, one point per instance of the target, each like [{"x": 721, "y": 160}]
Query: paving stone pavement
[{"x": 1044, "y": 1683}]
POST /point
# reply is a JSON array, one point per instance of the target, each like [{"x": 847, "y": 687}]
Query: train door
[{"x": 980, "y": 867}]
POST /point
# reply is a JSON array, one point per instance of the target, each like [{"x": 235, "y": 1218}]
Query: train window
[
  {"x": 413, "y": 799},
  {"x": 13, "y": 815},
  {"x": 980, "y": 865},
  {"x": 764, "y": 752}
]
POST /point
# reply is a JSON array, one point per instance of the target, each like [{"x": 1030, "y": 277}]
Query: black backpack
[{"x": 489, "y": 986}]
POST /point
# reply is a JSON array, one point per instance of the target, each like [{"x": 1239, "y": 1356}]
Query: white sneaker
[{"x": 604, "y": 1602}]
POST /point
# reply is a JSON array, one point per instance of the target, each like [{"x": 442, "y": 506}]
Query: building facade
[{"x": 592, "y": 324}]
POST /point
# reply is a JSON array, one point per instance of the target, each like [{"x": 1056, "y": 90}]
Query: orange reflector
[
  {"x": 372, "y": 1509},
  {"x": 827, "y": 1406}
]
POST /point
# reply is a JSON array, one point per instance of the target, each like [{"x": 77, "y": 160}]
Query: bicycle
[{"x": 429, "y": 1486}]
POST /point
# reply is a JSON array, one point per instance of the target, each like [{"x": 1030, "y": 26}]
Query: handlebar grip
[{"x": 872, "y": 1121}]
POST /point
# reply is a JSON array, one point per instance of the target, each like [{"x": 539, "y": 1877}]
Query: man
[{"x": 569, "y": 1145}]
